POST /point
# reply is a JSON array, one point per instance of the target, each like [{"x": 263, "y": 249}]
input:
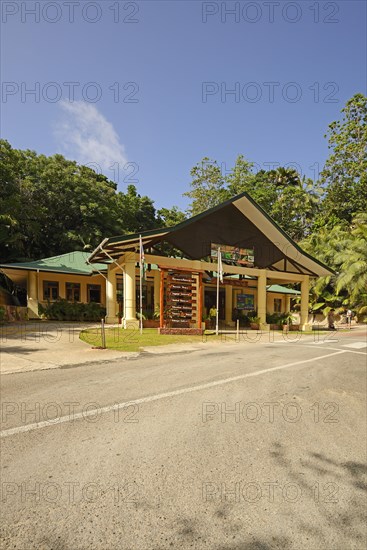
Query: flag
[
  {"x": 141, "y": 259},
  {"x": 220, "y": 266}
]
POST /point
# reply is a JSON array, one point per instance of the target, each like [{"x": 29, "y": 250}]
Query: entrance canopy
[{"x": 238, "y": 222}]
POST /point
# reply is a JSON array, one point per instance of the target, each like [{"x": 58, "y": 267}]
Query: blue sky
[{"x": 160, "y": 72}]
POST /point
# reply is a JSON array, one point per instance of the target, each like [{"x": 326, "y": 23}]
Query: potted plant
[
  {"x": 273, "y": 319},
  {"x": 207, "y": 322},
  {"x": 254, "y": 322},
  {"x": 151, "y": 320},
  {"x": 286, "y": 322}
]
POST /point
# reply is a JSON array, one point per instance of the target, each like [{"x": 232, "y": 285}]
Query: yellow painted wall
[{"x": 62, "y": 279}]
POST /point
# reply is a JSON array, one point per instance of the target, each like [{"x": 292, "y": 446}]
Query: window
[
  {"x": 119, "y": 288},
  {"x": 94, "y": 293},
  {"x": 277, "y": 305},
  {"x": 73, "y": 292},
  {"x": 50, "y": 290}
]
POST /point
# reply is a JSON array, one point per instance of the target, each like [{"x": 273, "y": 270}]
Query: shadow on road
[{"x": 340, "y": 497}]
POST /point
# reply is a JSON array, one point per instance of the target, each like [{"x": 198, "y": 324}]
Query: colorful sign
[
  {"x": 233, "y": 254},
  {"x": 246, "y": 302}
]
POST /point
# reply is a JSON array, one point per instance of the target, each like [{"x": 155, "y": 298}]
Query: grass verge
[{"x": 131, "y": 340}]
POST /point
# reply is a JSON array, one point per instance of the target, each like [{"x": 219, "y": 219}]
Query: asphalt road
[{"x": 238, "y": 446}]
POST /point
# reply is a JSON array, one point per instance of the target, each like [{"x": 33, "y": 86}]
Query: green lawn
[{"x": 132, "y": 340}]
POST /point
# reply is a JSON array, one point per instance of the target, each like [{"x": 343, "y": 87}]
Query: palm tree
[
  {"x": 284, "y": 177},
  {"x": 352, "y": 259}
]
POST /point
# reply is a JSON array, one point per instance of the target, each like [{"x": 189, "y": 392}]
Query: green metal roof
[
  {"x": 72, "y": 262},
  {"x": 282, "y": 289}
]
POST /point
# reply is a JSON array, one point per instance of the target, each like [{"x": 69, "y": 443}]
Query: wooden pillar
[
  {"x": 287, "y": 303},
  {"x": 200, "y": 299},
  {"x": 161, "y": 300},
  {"x": 305, "y": 285}
]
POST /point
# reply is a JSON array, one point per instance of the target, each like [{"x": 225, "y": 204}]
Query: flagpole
[
  {"x": 141, "y": 286},
  {"x": 217, "y": 314}
]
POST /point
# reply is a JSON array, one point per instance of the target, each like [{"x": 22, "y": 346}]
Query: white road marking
[
  {"x": 326, "y": 341},
  {"x": 356, "y": 345},
  {"x": 150, "y": 398},
  {"x": 318, "y": 346}
]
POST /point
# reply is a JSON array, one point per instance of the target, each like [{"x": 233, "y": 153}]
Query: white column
[
  {"x": 32, "y": 295},
  {"x": 130, "y": 292},
  {"x": 261, "y": 299},
  {"x": 111, "y": 299},
  {"x": 305, "y": 286}
]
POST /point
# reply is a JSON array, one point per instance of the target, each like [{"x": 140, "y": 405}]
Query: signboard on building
[
  {"x": 246, "y": 302},
  {"x": 233, "y": 254}
]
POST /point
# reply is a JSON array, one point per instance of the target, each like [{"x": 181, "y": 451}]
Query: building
[
  {"x": 188, "y": 248},
  {"x": 67, "y": 276},
  {"x": 258, "y": 257}
]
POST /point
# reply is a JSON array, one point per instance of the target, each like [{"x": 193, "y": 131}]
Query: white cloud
[{"x": 86, "y": 136}]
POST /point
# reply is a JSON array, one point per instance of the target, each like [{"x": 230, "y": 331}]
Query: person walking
[
  {"x": 331, "y": 319},
  {"x": 349, "y": 318},
  {"x": 213, "y": 316}
]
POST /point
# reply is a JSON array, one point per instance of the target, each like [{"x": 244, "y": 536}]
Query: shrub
[
  {"x": 62, "y": 310},
  {"x": 273, "y": 318},
  {"x": 2, "y": 314}
]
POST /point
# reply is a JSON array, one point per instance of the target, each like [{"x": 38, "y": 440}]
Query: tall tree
[
  {"x": 292, "y": 202},
  {"x": 345, "y": 172},
  {"x": 51, "y": 205},
  {"x": 168, "y": 217},
  {"x": 207, "y": 186},
  {"x": 136, "y": 212}
]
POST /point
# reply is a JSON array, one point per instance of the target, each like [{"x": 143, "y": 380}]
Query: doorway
[{"x": 210, "y": 299}]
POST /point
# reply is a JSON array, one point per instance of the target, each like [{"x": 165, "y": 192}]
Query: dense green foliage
[
  {"x": 292, "y": 201},
  {"x": 51, "y": 205},
  {"x": 344, "y": 248},
  {"x": 345, "y": 172},
  {"x": 62, "y": 310}
]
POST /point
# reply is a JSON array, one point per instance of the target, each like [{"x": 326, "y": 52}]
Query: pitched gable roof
[{"x": 240, "y": 222}]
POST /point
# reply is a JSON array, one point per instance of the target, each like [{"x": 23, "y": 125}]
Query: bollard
[{"x": 103, "y": 334}]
